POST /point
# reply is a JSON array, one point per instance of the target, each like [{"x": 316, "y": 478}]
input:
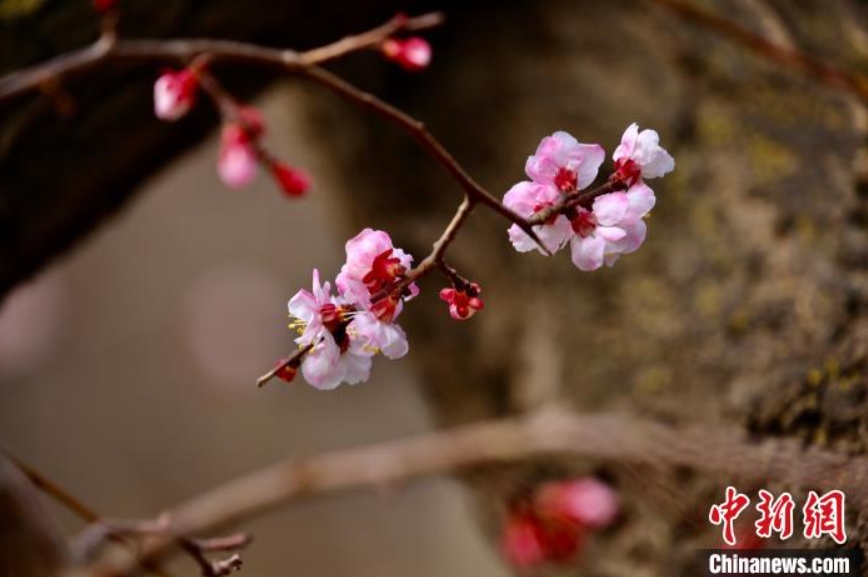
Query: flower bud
[
  {"x": 412, "y": 54},
  {"x": 174, "y": 94}
]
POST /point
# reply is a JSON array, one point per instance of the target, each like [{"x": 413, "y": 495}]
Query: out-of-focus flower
[
  {"x": 587, "y": 500},
  {"x": 613, "y": 227},
  {"x": 174, "y": 94},
  {"x": 463, "y": 302},
  {"x": 236, "y": 161},
  {"x": 528, "y": 198},
  {"x": 564, "y": 162},
  {"x": 412, "y": 54},
  {"x": 529, "y": 540},
  {"x": 640, "y": 156},
  {"x": 551, "y": 524}
]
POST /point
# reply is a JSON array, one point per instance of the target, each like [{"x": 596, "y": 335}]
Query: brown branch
[
  {"x": 108, "y": 49},
  {"x": 293, "y": 359},
  {"x": 724, "y": 452},
  {"x": 118, "y": 531},
  {"x": 418, "y": 131},
  {"x": 824, "y": 72},
  {"x": 95, "y": 536},
  {"x": 583, "y": 198},
  {"x": 72, "y": 503}
]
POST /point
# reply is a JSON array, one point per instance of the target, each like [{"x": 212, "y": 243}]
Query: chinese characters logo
[{"x": 822, "y": 515}]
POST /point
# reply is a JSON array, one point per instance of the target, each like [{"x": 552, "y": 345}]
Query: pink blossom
[
  {"x": 413, "y": 54},
  {"x": 527, "y": 199},
  {"x": 324, "y": 319},
  {"x": 379, "y": 336},
  {"x": 326, "y": 366},
  {"x": 613, "y": 227},
  {"x": 236, "y": 161},
  {"x": 565, "y": 163},
  {"x": 373, "y": 264},
  {"x": 640, "y": 156},
  {"x": 174, "y": 94},
  {"x": 587, "y": 501},
  {"x": 463, "y": 302}
]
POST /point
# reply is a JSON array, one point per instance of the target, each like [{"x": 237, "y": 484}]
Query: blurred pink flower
[
  {"x": 412, "y": 54},
  {"x": 529, "y": 540},
  {"x": 174, "y": 94},
  {"x": 587, "y": 500},
  {"x": 236, "y": 161}
]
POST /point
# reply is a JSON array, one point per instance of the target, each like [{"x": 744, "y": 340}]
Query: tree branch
[
  {"x": 821, "y": 71},
  {"x": 724, "y": 452},
  {"x": 72, "y": 503},
  {"x": 118, "y": 531},
  {"x": 108, "y": 49}
]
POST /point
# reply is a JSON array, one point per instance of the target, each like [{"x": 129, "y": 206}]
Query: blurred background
[{"x": 144, "y": 298}]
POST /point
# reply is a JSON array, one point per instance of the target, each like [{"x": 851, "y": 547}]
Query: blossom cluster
[
  {"x": 610, "y": 227},
  {"x": 342, "y": 331},
  {"x": 551, "y": 524}
]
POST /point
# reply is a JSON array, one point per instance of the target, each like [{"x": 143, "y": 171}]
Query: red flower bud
[
  {"x": 412, "y": 54},
  {"x": 293, "y": 182},
  {"x": 463, "y": 301}
]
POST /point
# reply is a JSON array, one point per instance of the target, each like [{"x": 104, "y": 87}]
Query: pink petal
[
  {"x": 587, "y": 253},
  {"x": 641, "y": 198},
  {"x": 609, "y": 209}
]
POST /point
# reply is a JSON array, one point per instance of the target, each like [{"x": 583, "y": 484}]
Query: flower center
[
  {"x": 584, "y": 222},
  {"x": 627, "y": 171},
  {"x": 385, "y": 269},
  {"x": 566, "y": 179}
]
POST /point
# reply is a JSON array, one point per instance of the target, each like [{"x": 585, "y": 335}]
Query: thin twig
[
  {"x": 824, "y": 72},
  {"x": 95, "y": 536},
  {"x": 109, "y": 49},
  {"x": 294, "y": 358},
  {"x": 72, "y": 503},
  {"x": 725, "y": 452},
  {"x": 419, "y": 131},
  {"x": 584, "y": 199}
]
